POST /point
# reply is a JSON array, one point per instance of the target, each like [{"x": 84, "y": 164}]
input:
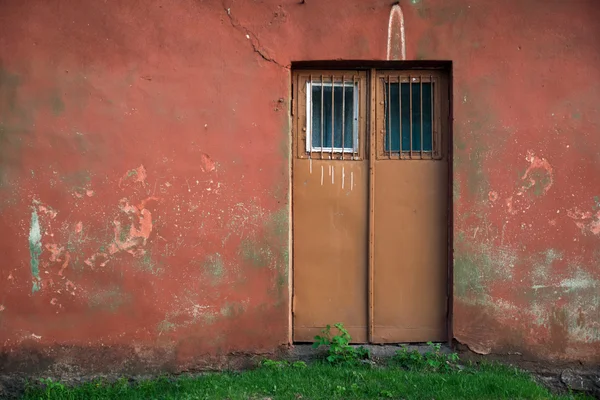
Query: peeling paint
[
  {"x": 65, "y": 264},
  {"x": 47, "y": 210},
  {"x": 587, "y": 221},
  {"x": 137, "y": 175},
  {"x": 206, "y": 163},
  {"x": 35, "y": 249},
  {"x": 55, "y": 251},
  {"x": 538, "y": 175},
  {"x": 97, "y": 259},
  {"x": 537, "y": 180},
  {"x": 127, "y": 237}
]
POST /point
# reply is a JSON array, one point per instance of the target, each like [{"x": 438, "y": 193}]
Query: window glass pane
[
  {"x": 337, "y": 122},
  {"x": 398, "y": 104}
]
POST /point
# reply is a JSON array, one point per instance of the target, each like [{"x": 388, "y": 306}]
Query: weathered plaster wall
[
  {"x": 144, "y": 172},
  {"x": 526, "y": 167}
]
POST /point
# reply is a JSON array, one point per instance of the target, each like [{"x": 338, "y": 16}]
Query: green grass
[{"x": 316, "y": 381}]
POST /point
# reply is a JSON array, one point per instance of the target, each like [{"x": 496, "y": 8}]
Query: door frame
[{"x": 371, "y": 69}]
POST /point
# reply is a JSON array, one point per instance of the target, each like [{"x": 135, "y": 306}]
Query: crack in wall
[{"x": 251, "y": 36}]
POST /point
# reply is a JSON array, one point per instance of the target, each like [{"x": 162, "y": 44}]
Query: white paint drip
[
  {"x": 310, "y": 165},
  {"x": 343, "y": 177},
  {"x": 321, "y": 175},
  {"x": 396, "y": 10},
  {"x": 351, "y": 180},
  {"x": 332, "y": 175},
  {"x": 330, "y": 170}
]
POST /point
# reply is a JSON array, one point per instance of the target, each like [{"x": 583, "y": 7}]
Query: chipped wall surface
[{"x": 144, "y": 172}]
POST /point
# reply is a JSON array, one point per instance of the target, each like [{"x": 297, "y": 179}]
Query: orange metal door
[
  {"x": 329, "y": 205},
  {"x": 370, "y": 225},
  {"x": 408, "y": 280}
]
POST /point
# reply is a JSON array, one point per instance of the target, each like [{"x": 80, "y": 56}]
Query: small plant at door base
[
  {"x": 338, "y": 346},
  {"x": 433, "y": 361}
]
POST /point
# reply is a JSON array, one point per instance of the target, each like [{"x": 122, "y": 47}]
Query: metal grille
[
  {"x": 410, "y": 127},
  {"x": 332, "y": 113}
]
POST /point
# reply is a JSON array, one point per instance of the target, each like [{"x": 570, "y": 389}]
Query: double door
[{"x": 370, "y": 204}]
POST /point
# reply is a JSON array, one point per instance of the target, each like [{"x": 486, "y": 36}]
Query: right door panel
[{"x": 409, "y": 210}]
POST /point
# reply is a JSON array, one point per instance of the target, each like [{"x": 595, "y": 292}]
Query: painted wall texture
[{"x": 144, "y": 172}]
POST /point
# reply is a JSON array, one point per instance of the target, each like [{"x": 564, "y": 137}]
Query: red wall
[{"x": 144, "y": 172}]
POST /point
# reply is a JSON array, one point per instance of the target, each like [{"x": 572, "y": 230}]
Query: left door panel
[{"x": 329, "y": 204}]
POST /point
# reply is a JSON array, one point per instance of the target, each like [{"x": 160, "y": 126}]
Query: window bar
[
  {"x": 410, "y": 116},
  {"x": 400, "y": 114},
  {"x": 343, "y": 114},
  {"x": 310, "y": 129},
  {"x": 332, "y": 116},
  {"x": 389, "y": 122},
  {"x": 354, "y": 123},
  {"x": 421, "y": 111},
  {"x": 322, "y": 120},
  {"x": 432, "y": 117}
]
